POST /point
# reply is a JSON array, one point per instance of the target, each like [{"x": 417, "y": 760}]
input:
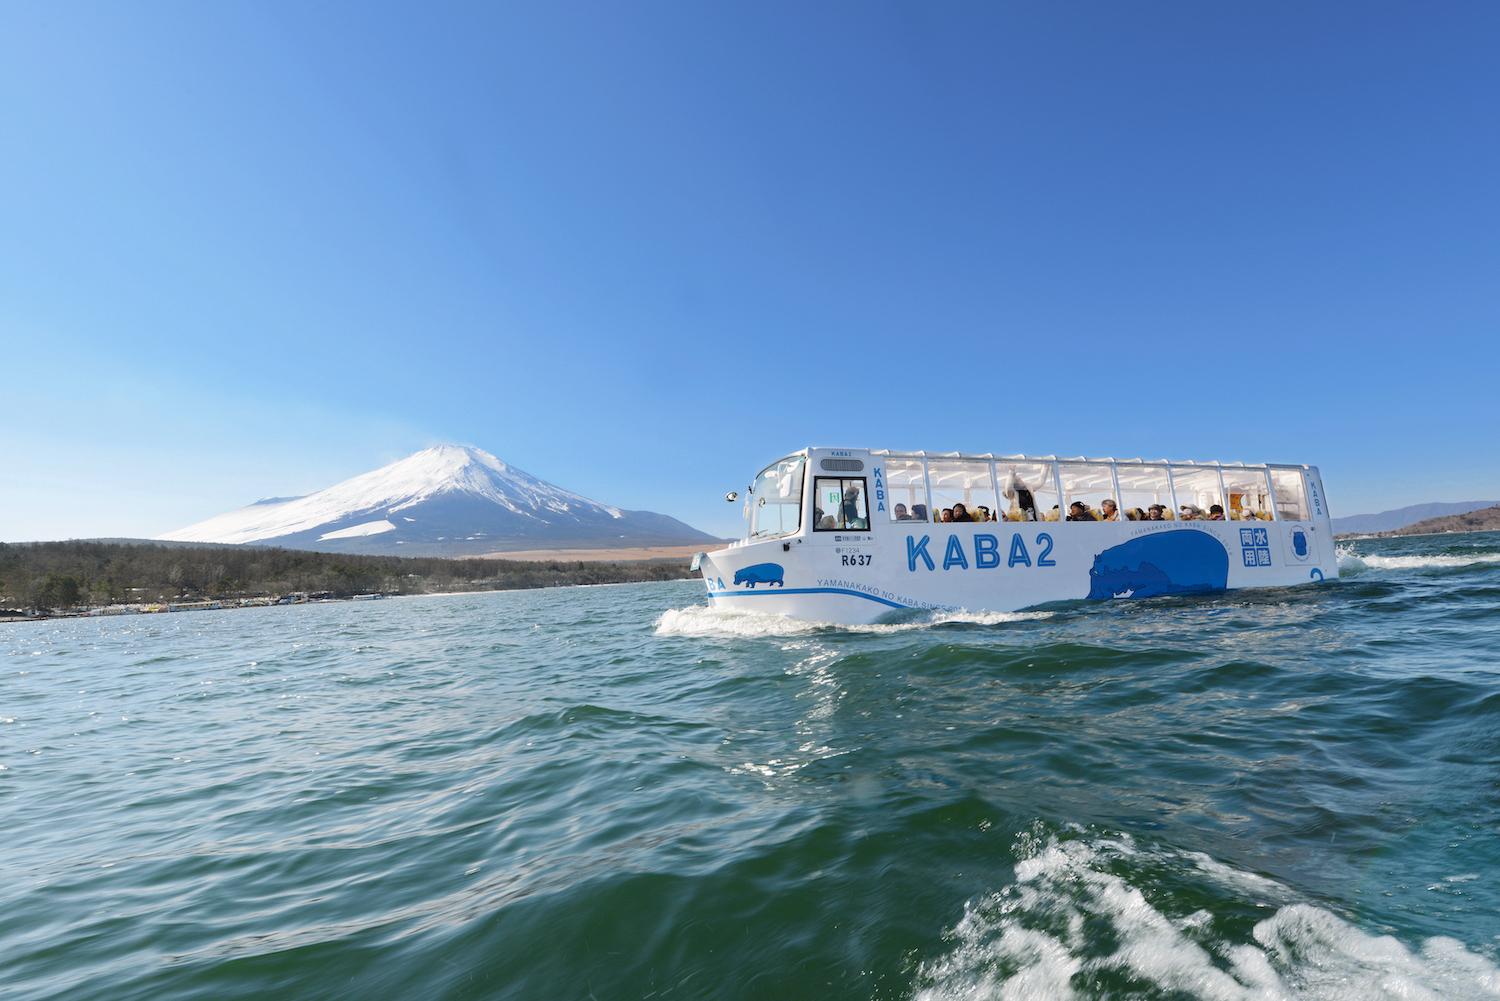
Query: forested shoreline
[{"x": 60, "y": 576}]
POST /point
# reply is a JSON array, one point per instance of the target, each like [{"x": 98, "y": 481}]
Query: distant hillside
[
  {"x": 1390, "y": 521},
  {"x": 1483, "y": 520}
]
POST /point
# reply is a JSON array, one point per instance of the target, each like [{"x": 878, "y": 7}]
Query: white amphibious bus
[{"x": 850, "y": 535}]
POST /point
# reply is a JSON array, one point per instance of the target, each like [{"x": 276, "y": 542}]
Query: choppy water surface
[{"x": 616, "y": 793}]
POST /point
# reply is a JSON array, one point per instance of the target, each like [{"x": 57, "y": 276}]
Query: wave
[
  {"x": 1036, "y": 937},
  {"x": 1352, "y": 563},
  {"x": 705, "y": 620}
]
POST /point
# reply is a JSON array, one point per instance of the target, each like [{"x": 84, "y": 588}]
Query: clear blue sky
[{"x": 641, "y": 249}]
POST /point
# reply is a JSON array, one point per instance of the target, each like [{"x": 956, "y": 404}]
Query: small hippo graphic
[
  {"x": 761, "y": 573},
  {"x": 1178, "y": 562},
  {"x": 1299, "y": 544}
]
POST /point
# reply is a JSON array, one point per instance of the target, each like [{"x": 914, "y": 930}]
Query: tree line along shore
[{"x": 57, "y": 578}]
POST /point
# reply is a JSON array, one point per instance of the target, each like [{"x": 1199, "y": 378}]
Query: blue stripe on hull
[{"x": 806, "y": 590}]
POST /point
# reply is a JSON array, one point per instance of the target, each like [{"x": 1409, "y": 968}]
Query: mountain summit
[{"x": 450, "y": 500}]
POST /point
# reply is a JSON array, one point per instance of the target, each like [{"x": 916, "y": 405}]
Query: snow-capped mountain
[{"x": 449, "y": 500}]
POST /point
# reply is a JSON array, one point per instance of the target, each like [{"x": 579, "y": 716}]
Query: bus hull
[{"x": 862, "y": 577}]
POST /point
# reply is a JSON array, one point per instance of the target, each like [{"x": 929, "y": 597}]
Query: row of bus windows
[{"x": 978, "y": 490}]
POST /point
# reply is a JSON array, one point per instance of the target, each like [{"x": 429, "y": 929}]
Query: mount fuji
[{"x": 449, "y": 500}]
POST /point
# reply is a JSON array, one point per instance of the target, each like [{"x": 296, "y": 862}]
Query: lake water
[{"x": 616, "y": 793}]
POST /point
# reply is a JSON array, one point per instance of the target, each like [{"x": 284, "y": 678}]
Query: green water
[{"x": 617, "y": 793}]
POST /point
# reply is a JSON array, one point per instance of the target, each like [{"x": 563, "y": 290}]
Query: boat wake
[
  {"x": 705, "y": 620},
  {"x": 1352, "y": 563},
  {"x": 1040, "y": 937}
]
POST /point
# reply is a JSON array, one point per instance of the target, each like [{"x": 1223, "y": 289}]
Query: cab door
[
  {"x": 844, "y": 503},
  {"x": 841, "y": 504}
]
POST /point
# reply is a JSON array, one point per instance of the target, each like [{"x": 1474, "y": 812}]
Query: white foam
[
  {"x": 702, "y": 620},
  {"x": 1348, "y": 560},
  {"x": 971, "y": 618},
  {"x": 1326, "y": 957},
  {"x": 1425, "y": 562},
  {"x": 1028, "y": 939},
  {"x": 706, "y": 620},
  {"x": 1351, "y": 562}
]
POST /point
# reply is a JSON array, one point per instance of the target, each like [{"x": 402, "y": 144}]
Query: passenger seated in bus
[
  {"x": 983, "y": 514},
  {"x": 919, "y": 512},
  {"x": 1156, "y": 512},
  {"x": 1108, "y": 511},
  {"x": 1216, "y": 512},
  {"x": 1016, "y": 491},
  {"x": 901, "y": 514},
  {"x": 1053, "y": 515},
  {"x": 961, "y": 513},
  {"x": 947, "y": 514},
  {"x": 826, "y": 523},
  {"x": 1189, "y": 513},
  {"x": 1079, "y": 511},
  {"x": 1136, "y": 514}
]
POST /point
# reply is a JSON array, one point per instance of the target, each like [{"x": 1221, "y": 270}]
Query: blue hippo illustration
[
  {"x": 1299, "y": 543},
  {"x": 1177, "y": 562},
  {"x": 761, "y": 573}
]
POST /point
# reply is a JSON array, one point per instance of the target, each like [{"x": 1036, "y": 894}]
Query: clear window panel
[
  {"x": 840, "y": 504},
  {"x": 775, "y": 501},
  {"x": 1027, "y": 491},
  {"x": 1088, "y": 492},
  {"x": 1198, "y": 495},
  {"x": 1291, "y": 496},
  {"x": 1249, "y": 497},
  {"x": 905, "y": 490},
  {"x": 1145, "y": 493},
  {"x": 962, "y": 488}
]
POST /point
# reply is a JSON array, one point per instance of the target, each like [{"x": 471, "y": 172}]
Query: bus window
[
  {"x": 775, "y": 501},
  {"x": 1291, "y": 499},
  {"x": 1249, "y": 497},
  {"x": 840, "y": 504},
  {"x": 1088, "y": 492},
  {"x": 962, "y": 487},
  {"x": 1198, "y": 493},
  {"x": 1027, "y": 490},
  {"x": 905, "y": 490},
  {"x": 1145, "y": 494}
]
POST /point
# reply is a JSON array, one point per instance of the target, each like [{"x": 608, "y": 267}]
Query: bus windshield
[{"x": 775, "y": 503}]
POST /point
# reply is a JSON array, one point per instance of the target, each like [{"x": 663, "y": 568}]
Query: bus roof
[{"x": 1137, "y": 461}]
